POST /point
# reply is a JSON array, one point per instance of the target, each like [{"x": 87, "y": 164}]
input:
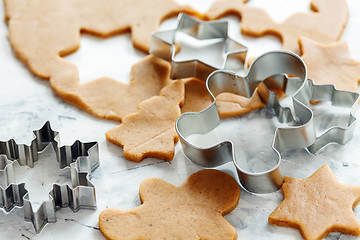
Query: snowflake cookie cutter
[
  {"x": 268, "y": 72},
  {"x": 81, "y": 158},
  {"x": 163, "y": 45}
]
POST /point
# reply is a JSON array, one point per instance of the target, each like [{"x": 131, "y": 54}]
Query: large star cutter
[
  {"x": 81, "y": 158},
  {"x": 163, "y": 46},
  {"x": 268, "y": 72}
]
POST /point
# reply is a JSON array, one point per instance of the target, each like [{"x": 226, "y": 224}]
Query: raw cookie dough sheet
[{"x": 27, "y": 102}]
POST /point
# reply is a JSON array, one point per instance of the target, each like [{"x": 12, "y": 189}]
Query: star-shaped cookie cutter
[
  {"x": 82, "y": 158},
  {"x": 268, "y": 72},
  {"x": 163, "y": 46}
]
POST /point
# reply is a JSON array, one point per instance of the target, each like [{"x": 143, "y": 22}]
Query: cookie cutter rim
[
  {"x": 81, "y": 158},
  {"x": 163, "y": 46},
  {"x": 304, "y": 132},
  {"x": 334, "y": 134}
]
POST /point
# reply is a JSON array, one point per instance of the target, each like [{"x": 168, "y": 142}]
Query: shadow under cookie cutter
[
  {"x": 82, "y": 158},
  {"x": 163, "y": 46},
  {"x": 267, "y": 71}
]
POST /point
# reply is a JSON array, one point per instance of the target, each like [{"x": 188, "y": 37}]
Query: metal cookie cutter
[
  {"x": 267, "y": 72},
  {"x": 82, "y": 158},
  {"x": 341, "y": 133},
  {"x": 163, "y": 46}
]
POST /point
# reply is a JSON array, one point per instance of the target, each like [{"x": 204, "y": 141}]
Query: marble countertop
[{"x": 27, "y": 102}]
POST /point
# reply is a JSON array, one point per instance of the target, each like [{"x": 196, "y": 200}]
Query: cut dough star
[
  {"x": 331, "y": 64},
  {"x": 318, "y": 205}
]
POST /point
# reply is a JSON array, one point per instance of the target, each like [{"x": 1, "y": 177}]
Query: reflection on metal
[
  {"x": 163, "y": 45},
  {"x": 80, "y": 158},
  {"x": 268, "y": 72}
]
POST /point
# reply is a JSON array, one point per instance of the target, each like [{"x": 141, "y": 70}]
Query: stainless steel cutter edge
[
  {"x": 82, "y": 158},
  {"x": 163, "y": 46},
  {"x": 335, "y": 134},
  {"x": 270, "y": 64}
]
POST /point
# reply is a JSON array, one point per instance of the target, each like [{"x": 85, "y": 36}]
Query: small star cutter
[
  {"x": 163, "y": 45},
  {"x": 267, "y": 72},
  {"x": 81, "y": 158}
]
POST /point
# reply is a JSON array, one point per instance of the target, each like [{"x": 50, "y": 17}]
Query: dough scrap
[
  {"x": 110, "y": 99},
  {"x": 231, "y": 105},
  {"x": 331, "y": 64},
  {"x": 324, "y": 24},
  {"x": 194, "y": 210},
  {"x": 318, "y": 205},
  {"x": 150, "y": 132},
  {"x": 198, "y": 98}
]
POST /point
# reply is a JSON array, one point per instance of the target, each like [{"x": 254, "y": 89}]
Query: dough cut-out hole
[
  {"x": 110, "y": 57},
  {"x": 280, "y": 10},
  {"x": 199, "y": 5},
  {"x": 168, "y": 24}
]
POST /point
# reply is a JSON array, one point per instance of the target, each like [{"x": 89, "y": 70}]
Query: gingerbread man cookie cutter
[
  {"x": 163, "y": 46},
  {"x": 81, "y": 158},
  {"x": 268, "y": 72}
]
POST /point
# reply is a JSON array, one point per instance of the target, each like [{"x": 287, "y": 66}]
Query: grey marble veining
[{"x": 27, "y": 102}]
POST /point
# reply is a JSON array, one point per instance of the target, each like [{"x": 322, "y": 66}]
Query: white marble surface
[{"x": 26, "y": 102}]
